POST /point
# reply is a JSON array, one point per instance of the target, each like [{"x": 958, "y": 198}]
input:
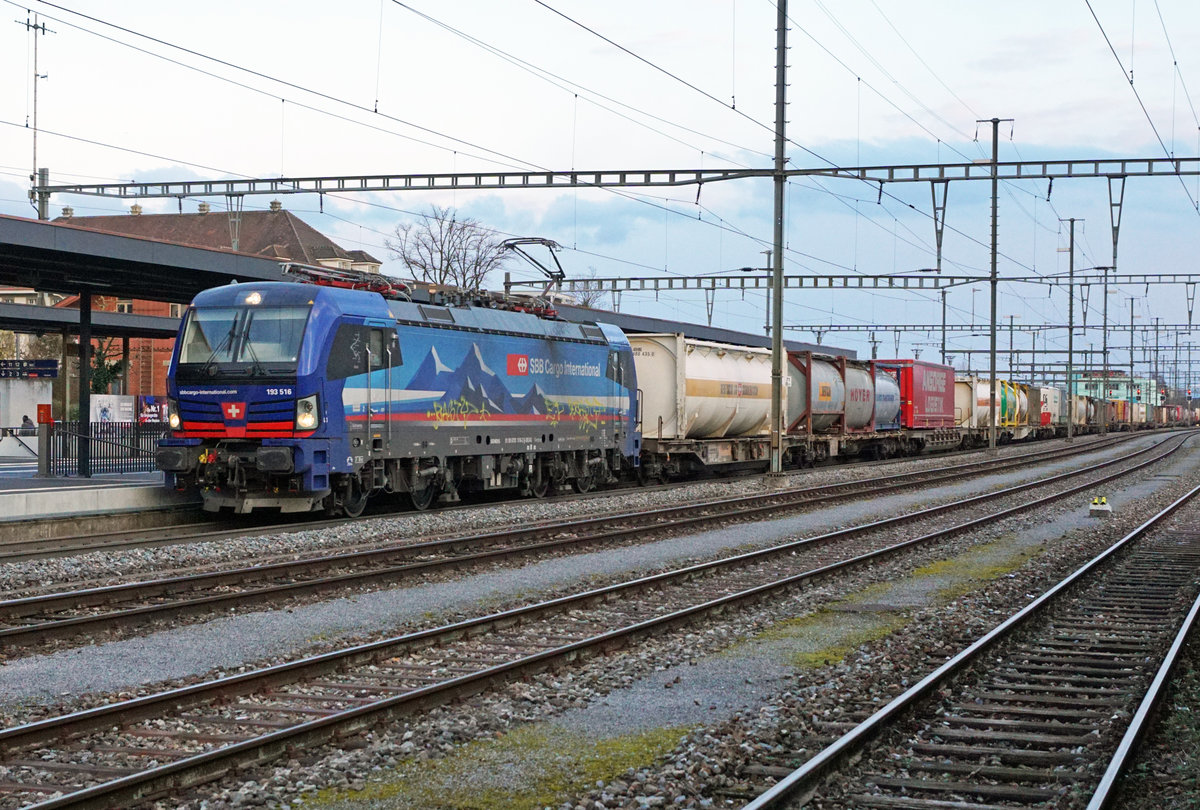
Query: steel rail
[
  {"x": 213, "y": 764},
  {"x": 659, "y": 520},
  {"x": 798, "y": 786},
  {"x": 41, "y": 548},
  {"x": 1105, "y": 792}
]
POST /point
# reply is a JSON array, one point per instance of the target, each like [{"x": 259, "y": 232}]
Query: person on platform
[{"x": 27, "y": 423}]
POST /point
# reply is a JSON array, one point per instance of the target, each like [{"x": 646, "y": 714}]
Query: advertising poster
[{"x": 112, "y": 408}]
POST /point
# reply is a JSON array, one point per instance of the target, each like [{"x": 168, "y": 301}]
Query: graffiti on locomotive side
[
  {"x": 587, "y": 414},
  {"x": 554, "y": 409},
  {"x": 454, "y": 411}
]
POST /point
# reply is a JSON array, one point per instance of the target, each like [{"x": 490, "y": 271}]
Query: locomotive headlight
[
  {"x": 306, "y": 413},
  {"x": 173, "y": 414}
]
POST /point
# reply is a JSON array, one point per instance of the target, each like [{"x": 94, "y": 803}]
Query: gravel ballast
[
  {"x": 639, "y": 692},
  {"x": 238, "y": 640}
]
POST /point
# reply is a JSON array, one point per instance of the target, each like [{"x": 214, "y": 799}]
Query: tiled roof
[{"x": 278, "y": 234}]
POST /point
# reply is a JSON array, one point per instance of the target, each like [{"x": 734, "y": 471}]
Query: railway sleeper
[{"x": 1005, "y": 792}]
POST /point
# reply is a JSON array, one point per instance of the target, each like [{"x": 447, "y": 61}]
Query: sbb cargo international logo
[{"x": 518, "y": 365}]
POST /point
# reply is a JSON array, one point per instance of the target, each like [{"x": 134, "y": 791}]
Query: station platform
[{"x": 27, "y": 501}]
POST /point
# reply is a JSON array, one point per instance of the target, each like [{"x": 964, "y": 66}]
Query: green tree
[{"x": 104, "y": 371}]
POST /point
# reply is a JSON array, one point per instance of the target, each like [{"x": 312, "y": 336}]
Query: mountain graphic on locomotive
[{"x": 307, "y": 396}]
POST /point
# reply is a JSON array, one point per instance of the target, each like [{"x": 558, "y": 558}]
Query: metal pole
[
  {"x": 1071, "y": 339},
  {"x": 43, "y": 197},
  {"x": 994, "y": 281},
  {"x": 85, "y": 386},
  {"x": 943, "y": 292},
  {"x": 777, "y": 254},
  {"x": 770, "y": 310},
  {"x": 1131, "y": 380},
  {"x": 1157, "y": 370},
  {"x": 1107, "y": 395}
]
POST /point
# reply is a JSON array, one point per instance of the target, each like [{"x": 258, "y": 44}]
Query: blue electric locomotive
[{"x": 301, "y": 397}]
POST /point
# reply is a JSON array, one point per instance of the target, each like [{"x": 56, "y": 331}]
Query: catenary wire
[{"x": 1142, "y": 104}]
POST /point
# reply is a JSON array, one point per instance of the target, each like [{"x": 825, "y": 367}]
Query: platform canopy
[
  {"x": 55, "y": 257},
  {"x": 34, "y": 319}
]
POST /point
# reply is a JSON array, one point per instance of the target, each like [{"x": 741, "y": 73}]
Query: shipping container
[
  {"x": 693, "y": 389},
  {"x": 836, "y": 395},
  {"x": 926, "y": 392},
  {"x": 972, "y": 400}
]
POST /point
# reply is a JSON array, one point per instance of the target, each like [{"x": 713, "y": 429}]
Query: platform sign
[{"x": 28, "y": 369}]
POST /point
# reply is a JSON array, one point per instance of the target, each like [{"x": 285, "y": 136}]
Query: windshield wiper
[
  {"x": 207, "y": 368},
  {"x": 257, "y": 368},
  {"x": 248, "y": 346}
]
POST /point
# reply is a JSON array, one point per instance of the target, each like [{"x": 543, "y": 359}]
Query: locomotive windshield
[{"x": 242, "y": 341}]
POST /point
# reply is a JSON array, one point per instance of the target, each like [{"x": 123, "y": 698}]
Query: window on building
[
  {"x": 125, "y": 305},
  {"x": 176, "y": 310}
]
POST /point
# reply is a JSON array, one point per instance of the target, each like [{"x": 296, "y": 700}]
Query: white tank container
[
  {"x": 829, "y": 394},
  {"x": 693, "y": 389},
  {"x": 972, "y": 401},
  {"x": 971, "y": 397},
  {"x": 1051, "y": 406},
  {"x": 886, "y": 407},
  {"x": 1079, "y": 412}
]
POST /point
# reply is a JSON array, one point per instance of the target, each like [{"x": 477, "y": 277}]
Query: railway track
[
  {"x": 72, "y": 613},
  {"x": 1045, "y": 710},
  {"x": 129, "y": 751},
  {"x": 203, "y": 529}
]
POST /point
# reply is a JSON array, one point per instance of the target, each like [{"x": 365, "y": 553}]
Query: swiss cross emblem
[
  {"x": 518, "y": 365},
  {"x": 234, "y": 410}
]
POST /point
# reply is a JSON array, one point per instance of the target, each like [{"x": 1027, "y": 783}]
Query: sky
[{"x": 163, "y": 91}]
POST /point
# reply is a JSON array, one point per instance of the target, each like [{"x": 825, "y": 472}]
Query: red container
[{"x": 926, "y": 392}]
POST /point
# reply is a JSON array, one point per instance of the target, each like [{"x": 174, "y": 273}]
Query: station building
[{"x": 277, "y": 234}]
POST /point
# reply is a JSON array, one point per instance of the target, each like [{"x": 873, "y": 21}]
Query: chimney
[
  {"x": 276, "y": 205},
  {"x": 68, "y": 212},
  {"x": 135, "y": 209},
  {"x": 204, "y": 208}
]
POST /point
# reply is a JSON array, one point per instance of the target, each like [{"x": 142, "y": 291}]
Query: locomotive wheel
[
  {"x": 355, "y": 501},
  {"x": 422, "y": 499},
  {"x": 583, "y": 483},
  {"x": 540, "y": 489}
]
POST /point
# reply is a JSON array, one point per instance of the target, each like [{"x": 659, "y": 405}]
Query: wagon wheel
[{"x": 583, "y": 483}]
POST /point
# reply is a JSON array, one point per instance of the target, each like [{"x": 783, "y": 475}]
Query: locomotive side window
[
  {"x": 349, "y": 356},
  {"x": 620, "y": 368},
  {"x": 378, "y": 358}
]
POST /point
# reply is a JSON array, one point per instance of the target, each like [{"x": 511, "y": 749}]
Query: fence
[{"x": 115, "y": 447}]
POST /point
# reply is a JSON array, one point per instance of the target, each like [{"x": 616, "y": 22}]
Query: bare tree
[
  {"x": 592, "y": 293},
  {"x": 442, "y": 248}
]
